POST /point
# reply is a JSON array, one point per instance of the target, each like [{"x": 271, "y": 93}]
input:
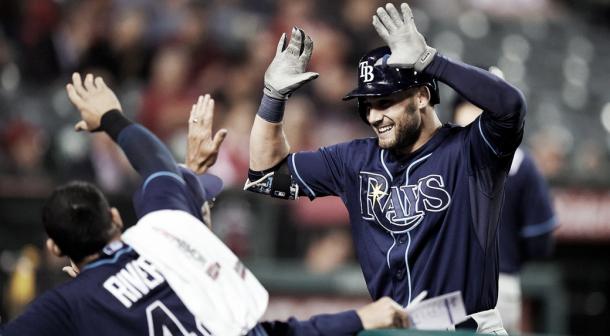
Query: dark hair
[{"x": 77, "y": 217}]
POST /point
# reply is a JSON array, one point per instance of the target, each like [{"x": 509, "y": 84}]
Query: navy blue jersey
[
  {"x": 527, "y": 219},
  {"x": 428, "y": 220},
  {"x": 121, "y": 293}
]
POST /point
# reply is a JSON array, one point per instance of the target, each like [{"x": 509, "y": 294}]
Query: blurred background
[{"x": 159, "y": 55}]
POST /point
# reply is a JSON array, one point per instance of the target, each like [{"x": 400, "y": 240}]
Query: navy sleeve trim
[
  {"x": 485, "y": 138},
  {"x": 113, "y": 260},
  {"x": 296, "y": 171},
  {"x": 539, "y": 229},
  {"x": 159, "y": 174}
]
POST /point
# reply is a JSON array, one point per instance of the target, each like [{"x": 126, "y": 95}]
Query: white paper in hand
[{"x": 438, "y": 313}]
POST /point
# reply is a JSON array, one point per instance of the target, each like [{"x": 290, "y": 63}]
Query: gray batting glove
[
  {"x": 409, "y": 48},
  {"x": 286, "y": 73}
]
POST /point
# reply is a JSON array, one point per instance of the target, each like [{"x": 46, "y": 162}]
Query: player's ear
[
  {"x": 423, "y": 96},
  {"x": 117, "y": 221},
  {"x": 53, "y": 248}
]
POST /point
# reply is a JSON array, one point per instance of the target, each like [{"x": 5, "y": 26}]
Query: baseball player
[
  {"x": 423, "y": 198},
  {"x": 527, "y": 222},
  {"x": 119, "y": 292}
]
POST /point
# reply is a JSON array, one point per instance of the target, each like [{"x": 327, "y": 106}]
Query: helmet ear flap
[
  {"x": 434, "y": 92},
  {"x": 362, "y": 110}
]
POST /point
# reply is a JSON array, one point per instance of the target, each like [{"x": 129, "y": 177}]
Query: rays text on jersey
[{"x": 399, "y": 208}]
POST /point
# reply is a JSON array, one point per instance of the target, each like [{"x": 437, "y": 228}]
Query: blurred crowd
[{"x": 160, "y": 55}]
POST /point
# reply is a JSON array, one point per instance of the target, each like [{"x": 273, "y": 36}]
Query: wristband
[
  {"x": 271, "y": 109},
  {"x": 113, "y": 122}
]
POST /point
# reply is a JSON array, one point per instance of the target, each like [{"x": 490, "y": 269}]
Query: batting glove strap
[
  {"x": 270, "y": 92},
  {"x": 425, "y": 59}
]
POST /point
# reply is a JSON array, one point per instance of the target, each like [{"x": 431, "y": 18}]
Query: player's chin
[{"x": 386, "y": 142}]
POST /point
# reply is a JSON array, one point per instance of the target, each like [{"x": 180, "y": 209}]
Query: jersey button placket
[{"x": 400, "y": 274}]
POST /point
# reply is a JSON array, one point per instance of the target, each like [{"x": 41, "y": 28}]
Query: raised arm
[
  {"x": 495, "y": 96},
  {"x": 164, "y": 186},
  {"x": 268, "y": 144},
  {"x": 100, "y": 110},
  {"x": 503, "y": 105}
]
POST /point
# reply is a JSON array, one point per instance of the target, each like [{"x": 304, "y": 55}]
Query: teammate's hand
[
  {"x": 72, "y": 270},
  {"x": 409, "y": 48},
  {"x": 383, "y": 313},
  {"x": 93, "y": 99},
  {"x": 201, "y": 147},
  {"x": 286, "y": 73}
]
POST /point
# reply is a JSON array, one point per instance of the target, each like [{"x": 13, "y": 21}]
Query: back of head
[
  {"x": 77, "y": 217},
  {"x": 376, "y": 79}
]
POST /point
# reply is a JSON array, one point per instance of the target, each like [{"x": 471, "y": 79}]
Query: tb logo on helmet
[{"x": 366, "y": 72}]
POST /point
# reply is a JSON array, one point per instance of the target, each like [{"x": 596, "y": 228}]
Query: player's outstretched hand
[
  {"x": 383, "y": 313},
  {"x": 409, "y": 48},
  {"x": 93, "y": 99},
  {"x": 286, "y": 73},
  {"x": 201, "y": 147}
]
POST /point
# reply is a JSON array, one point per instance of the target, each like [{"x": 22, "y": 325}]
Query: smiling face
[{"x": 395, "y": 119}]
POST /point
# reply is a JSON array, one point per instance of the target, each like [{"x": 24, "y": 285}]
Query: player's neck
[
  {"x": 430, "y": 125},
  {"x": 95, "y": 256},
  {"x": 87, "y": 260}
]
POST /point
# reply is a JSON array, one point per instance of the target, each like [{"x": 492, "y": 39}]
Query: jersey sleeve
[
  {"x": 47, "y": 315},
  {"x": 146, "y": 153},
  {"x": 319, "y": 173},
  {"x": 163, "y": 187},
  {"x": 500, "y": 126},
  {"x": 538, "y": 217},
  {"x": 164, "y": 190},
  {"x": 341, "y": 324}
]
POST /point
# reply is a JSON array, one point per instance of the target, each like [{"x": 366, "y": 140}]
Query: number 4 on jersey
[{"x": 162, "y": 322}]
